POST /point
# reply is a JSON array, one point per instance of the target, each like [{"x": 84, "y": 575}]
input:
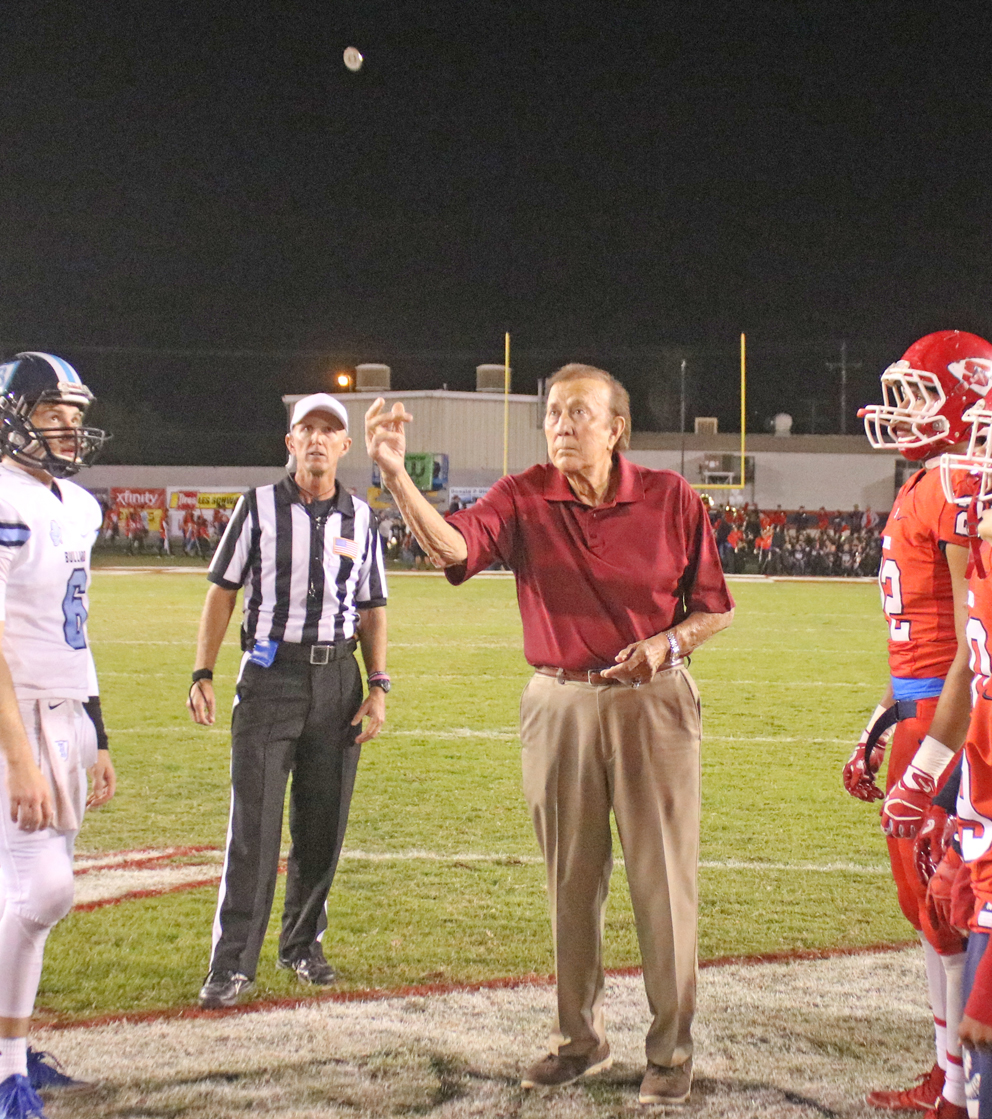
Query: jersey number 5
[
  {"x": 978, "y": 646},
  {"x": 976, "y": 829},
  {"x": 74, "y": 611},
  {"x": 890, "y": 582}
]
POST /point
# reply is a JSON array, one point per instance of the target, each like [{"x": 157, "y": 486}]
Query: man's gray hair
[{"x": 619, "y": 398}]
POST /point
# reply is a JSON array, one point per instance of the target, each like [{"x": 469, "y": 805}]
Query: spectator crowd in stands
[
  {"x": 147, "y": 530},
  {"x": 797, "y": 542},
  {"x": 751, "y": 540}
]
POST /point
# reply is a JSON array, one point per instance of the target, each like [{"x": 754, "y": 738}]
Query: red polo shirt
[{"x": 591, "y": 580}]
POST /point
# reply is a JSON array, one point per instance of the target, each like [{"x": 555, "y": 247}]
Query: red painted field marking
[{"x": 422, "y": 990}]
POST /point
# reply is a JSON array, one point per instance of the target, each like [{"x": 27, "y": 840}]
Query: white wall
[
  {"x": 467, "y": 426},
  {"x": 196, "y": 477},
  {"x": 791, "y": 479}
]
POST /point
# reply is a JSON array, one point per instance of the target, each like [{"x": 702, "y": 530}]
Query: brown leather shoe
[
  {"x": 554, "y": 1071},
  {"x": 663, "y": 1084}
]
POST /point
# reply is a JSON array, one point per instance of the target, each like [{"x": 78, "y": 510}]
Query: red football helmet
[
  {"x": 926, "y": 393},
  {"x": 967, "y": 477}
]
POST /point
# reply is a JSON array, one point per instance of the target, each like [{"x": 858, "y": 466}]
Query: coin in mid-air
[{"x": 353, "y": 58}]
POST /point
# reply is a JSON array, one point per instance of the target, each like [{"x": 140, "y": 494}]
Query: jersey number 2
[
  {"x": 74, "y": 611},
  {"x": 890, "y": 581}
]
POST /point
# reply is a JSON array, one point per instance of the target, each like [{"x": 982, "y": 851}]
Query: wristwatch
[
  {"x": 673, "y": 644},
  {"x": 379, "y": 680}
]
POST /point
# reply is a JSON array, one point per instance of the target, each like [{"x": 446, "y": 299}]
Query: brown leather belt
[{"x": 594, "y": 676}]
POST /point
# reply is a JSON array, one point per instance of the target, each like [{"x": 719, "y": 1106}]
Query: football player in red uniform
[
  {"x": 974, "y": 799},
  {"x": 924, "y": 597}
]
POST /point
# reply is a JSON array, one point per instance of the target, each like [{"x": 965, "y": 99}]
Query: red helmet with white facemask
[
  {"x": 926, "y": 393},
  {"x": 967, "y": 477}
]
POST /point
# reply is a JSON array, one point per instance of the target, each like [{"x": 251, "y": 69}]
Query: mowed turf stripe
[
  {"x": 720, "y": 681},
  {"x": 149, "y": 859},
  {"x": 148, "y": 874},
  {"x": 422, "y": 990},
  {"x": 469, "y": 732},
  {"x": 456, "y": 733}
]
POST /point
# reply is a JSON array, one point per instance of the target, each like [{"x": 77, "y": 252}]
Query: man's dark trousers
[{"x": 293, "y": 717}]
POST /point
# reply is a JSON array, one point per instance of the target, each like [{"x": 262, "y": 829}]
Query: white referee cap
[{"x": 319, "y": 402}]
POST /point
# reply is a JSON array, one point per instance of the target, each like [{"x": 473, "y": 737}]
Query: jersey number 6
[{"x": 74, "y": 611}]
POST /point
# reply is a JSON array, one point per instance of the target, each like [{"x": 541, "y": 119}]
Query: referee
[{"x": 308, "y": 556}]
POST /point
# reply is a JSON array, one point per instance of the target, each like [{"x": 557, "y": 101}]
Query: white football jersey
[{"x": 45, "y": 543}]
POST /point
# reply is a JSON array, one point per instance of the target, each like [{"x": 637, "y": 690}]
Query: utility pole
[
  {"x": 843, "y": 365},
  {"x": 682, "y": 413}
]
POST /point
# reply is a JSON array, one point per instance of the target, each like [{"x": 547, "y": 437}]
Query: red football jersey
[
  {"x": 979, "y": 628},
  {"x": 915, "y": 580},
  {"x": 974, "y": 805}
]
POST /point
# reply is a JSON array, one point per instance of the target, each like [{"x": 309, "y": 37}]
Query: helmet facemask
[
  {"x": 966, "y": 478},
  {"x": 910, "y": 418},
  {"x": 38, "y": 447}
]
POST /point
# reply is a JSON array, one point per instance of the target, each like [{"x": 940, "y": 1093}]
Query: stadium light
[{"x": 344, "y": 382}]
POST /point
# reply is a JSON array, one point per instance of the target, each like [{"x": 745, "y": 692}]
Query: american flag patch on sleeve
[{"x": 345, "y": 547}]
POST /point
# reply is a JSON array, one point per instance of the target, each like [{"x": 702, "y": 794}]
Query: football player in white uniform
[{"x": 51, "y": 730}]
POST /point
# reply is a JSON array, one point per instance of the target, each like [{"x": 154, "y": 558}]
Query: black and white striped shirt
[{"x": 306, "y": 569}]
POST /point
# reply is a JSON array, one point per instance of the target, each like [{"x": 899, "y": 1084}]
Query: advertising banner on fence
[
  {"x": 466, "y": 495},
  {"x": 200, "y": 516},
  {"x": 429, "y": 472},
  {"x": 136, "y": 512}
]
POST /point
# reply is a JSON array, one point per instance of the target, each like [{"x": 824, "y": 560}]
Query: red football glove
[
  {"x": 907, "y": 802},
  {"x": 962, "y": 900},
  {"x": 932, "y": 841},
  {"x": 941, "y": 888},
  {"x": 859, "y": 778}
]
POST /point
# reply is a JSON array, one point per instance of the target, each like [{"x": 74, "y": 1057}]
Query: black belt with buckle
[{"x": 319, "y": 653}]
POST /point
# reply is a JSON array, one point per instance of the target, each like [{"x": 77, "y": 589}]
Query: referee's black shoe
[
  {"x": 223, "y": 988},
  {"x": 310, "y": 968}
]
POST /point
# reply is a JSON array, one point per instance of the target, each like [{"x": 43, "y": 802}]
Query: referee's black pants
[{"x": 294, "y": 718}]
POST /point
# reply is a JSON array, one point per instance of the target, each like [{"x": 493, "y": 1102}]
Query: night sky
[{"x": 205, "y": 187}]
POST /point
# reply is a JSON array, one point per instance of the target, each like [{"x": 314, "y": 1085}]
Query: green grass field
[{"x": 789, "y": 860}]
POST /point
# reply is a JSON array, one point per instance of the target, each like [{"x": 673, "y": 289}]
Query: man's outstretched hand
[{"x": 385, "y": 438}]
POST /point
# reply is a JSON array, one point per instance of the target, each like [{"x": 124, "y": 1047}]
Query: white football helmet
[{"x": 966, "y": 477}]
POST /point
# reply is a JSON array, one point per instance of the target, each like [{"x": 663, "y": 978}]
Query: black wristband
[
  {"x": 202, "y": 674},
  {"x": 92, "y": 708}
]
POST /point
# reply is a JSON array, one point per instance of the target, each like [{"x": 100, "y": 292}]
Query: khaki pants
[{"x": 586, "y": 749}]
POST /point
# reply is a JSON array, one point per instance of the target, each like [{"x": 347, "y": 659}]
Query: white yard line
[
  {"x": 449, "y": 734},
  {"x": 789, "y": 683},
  {"x": 149, "y": 570},
  {"x": 508, "y": 734},
  {"x": 125, "y": 641},
  {"x": 107, "y": 885},
  {"x": 794, "y": 1039},
  {"x": 460, "y": 677},
  {"x": 121, "y": 875},
  {"x": 88, "y": 861}
]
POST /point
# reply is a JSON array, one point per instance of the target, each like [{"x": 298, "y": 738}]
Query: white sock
[
  {"x": 954, "y": 1073},
  {"x": 13, "y": 1057},
  {"x": 971, "y": 1079},
  {"x": 937, "y": 983}
]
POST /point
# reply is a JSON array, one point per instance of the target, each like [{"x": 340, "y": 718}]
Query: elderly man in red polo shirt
[{"x": 618, "y": 578}]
